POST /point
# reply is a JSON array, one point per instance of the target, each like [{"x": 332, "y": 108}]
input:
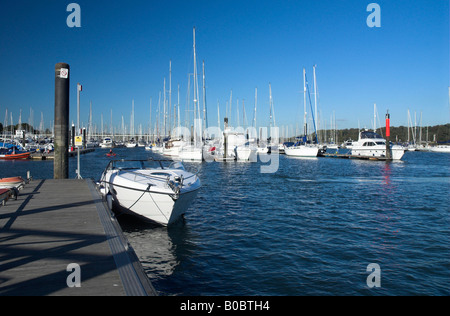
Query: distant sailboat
[
  {"x": 194, "y": 151},
  {"x": 302, "y": 148}
]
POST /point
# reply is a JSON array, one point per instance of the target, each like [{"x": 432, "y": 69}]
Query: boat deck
[{"x": 54, "y": 223}]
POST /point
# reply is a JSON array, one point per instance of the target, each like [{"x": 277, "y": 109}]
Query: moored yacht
[
  {"x": 107, "y": 142},
  {"x": 302, "y": 150},
  {"x": 158, "y": 191},
  {"x": 440, "y": 149},
  {"x": 371, "y": 144}
]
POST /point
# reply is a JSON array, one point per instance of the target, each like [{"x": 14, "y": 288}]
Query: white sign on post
[{"x": 64, "y": 73}]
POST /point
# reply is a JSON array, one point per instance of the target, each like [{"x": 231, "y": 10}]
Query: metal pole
[
  {"x": 78, "y": 131},
  {"x": 61, "y": 125}
]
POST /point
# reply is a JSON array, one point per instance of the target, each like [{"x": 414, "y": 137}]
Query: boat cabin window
[
  {"x": 369, "y": 144},
  {"x": 144, "y": 164},
  {"x": 368, "y": 134}
]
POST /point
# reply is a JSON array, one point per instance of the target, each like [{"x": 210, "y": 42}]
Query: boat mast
[
  {"x": 205, "y": 117},
  {"x": 374, "y": 117},
  {"x": 218, "y": 114},
  {"x": 170, "y": 92},
  {"x": 178, "y": 112},
  {"x": 132, "y": 120},
  {"x": 164, "y": 108},
  {"x": 254, "y": 114},
  {"x": 150, "y": 122},
  {"x": 196, "y": 110},
  {"x": 305, "y": 124},
  {"x": 315, "y": 100},
  {"x": 123, "y": 130}
]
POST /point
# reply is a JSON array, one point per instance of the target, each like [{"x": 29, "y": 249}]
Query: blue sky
[{"x": 123, "y": 48}]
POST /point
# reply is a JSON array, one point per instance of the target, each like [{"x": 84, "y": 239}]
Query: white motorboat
[
  {"x": 371, "y": 144},
  {"x": 440, "y": 149},
  {"x": 107, "y": 142},
  {"x": 131, "y": 143},
  {"x": 302, "y": 150},
  {"x": 158, "y": 191}
]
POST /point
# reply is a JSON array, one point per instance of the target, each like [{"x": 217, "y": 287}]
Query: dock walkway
[{"x": 54, "y": 223}]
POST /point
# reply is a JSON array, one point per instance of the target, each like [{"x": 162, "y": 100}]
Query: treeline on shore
[{"x": 432, "y": 134}]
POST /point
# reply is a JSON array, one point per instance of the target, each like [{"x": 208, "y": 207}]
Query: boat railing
[{"x": 164, "y": 178}]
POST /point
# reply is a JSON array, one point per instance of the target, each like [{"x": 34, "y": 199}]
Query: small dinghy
[
  {"x": 155, "y": 190},
  {"x": 11, "y": 186},
  {"x": 12, "y": 182},
  {"x": 10, "y": 154}
]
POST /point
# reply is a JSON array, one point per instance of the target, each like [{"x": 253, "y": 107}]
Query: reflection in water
[
  {"x": 160, "y": 249},
  {"x": 385, "y": 241}
]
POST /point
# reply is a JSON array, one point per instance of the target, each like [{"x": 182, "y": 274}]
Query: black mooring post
[
  {"x": 225, "y": 137},
  {"x": 72, "y": 138},
  {"x": 62, "y": 83}
]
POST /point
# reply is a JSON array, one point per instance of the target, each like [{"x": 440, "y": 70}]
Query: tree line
[{"x": 437, "y": 133}]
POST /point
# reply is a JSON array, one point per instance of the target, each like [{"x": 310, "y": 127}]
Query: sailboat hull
[{"x": 301, "y": 151}]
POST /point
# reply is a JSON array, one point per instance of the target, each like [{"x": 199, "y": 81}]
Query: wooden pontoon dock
[{"x": 55, "y": 223}]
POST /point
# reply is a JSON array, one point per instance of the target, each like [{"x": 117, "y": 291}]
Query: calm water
[{"x": 311, "y": 228}]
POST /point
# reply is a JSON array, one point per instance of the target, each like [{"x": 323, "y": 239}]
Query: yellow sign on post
[{"x": 78, "y": 140}]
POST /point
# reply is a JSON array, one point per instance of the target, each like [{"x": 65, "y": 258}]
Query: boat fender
[{"x": 109, "y": 200}]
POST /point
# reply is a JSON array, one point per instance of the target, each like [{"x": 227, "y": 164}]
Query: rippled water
[{"x": 311, "y": 228}]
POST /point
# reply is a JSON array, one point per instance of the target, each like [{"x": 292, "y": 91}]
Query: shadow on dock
[{"x": 57, "y": 222}]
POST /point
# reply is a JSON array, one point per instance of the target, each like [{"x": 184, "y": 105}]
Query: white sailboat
[
  {"x": 302, "y": 148},
  {"x": 194, "y": 151},
  {"x": 440, "y": 149}
]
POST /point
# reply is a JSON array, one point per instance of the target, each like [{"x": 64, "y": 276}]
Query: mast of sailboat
[
  {"x": 271, "y": 115},
  {"x": 195, "y": 89},
  {"x": 374, "y": 117},
  {"x": 231, "y": 97},
  {"x": 164, "y": 108},
  {"x": 111, "y": 127},
  {"x": 254, "y": 111},
  {"x": 315, "y": 101},
  {"x": 90, "y": 120},
  {"x": 237, "y": 113},
  {"x": 205, "y": 114},
  {"x": 150, "y": 123},
  {"x": 178, "y": 111},
  {"x": 132, "y": 120},
  {"x": 305, "y": 124},
  {"x": 123, "y": 130},
  {"x": 170, "y": 91},
  {"x": 218, "y": 114},
  {"x": 159, "y": 116}
]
